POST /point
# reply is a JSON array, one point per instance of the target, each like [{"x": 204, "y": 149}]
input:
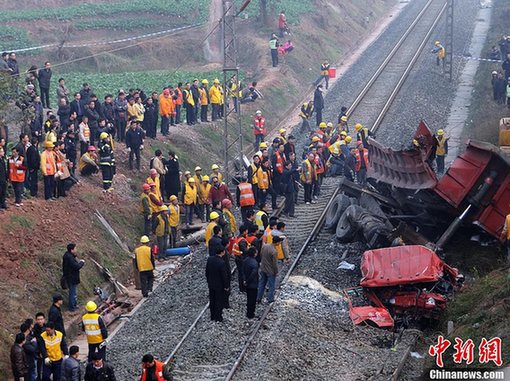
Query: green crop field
[
  {"x": 293, "y": 9},
  {"x": 189, "y": 9},
  {"x": 149, "y": 81},
  {"x": 13, "y": 37}
]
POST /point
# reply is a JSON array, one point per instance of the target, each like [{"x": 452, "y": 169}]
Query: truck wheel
[
  {"x": 345, "y": 231},
  {"x": 336, "y": 209}
]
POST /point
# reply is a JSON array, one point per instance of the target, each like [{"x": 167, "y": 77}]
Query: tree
[{"x": 263, "y": 11}]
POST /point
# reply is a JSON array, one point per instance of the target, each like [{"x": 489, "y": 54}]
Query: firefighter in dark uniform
[{"x": 106, "y": 161}]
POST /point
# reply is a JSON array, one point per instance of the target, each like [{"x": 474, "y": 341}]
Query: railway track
[
  {"x": 182, "y": 333},
  {"x": 375, "y": 98}
]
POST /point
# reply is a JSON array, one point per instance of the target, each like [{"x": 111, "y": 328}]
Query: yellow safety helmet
[
  {"x": 103, "y": 135},
  {"x": 205, "y": 82},
  {"x": 197, "y": 168},
  {"x": 48, "y": 144},
  {"x": 316, "y": 139},
  {"x": 343, "y": 118},
  {"x": 216, "y": 80},
  {"x": 440, "y": 132},
  {"x": 173, "y": 197},
  {"x": 348, "y": 139},
  {"x": 343, "y": 133},
  {"x": 205, "y": 178},
  {"x": 91, "y": 306},
  {"x": 214, "y": 215},
  {"x": 144, "y": 239},
  {"x": 437, "y": 43},
  {"x": 163, "y": 208},
  {"x": 358, "y": 126},
  {"x": 191, "y": 180},
  {"x": 282, "y": 130},
  {"x": 323, "y": 125},
  {"x": 263, "y": 145},
  {"x": 215, "y": 166}
]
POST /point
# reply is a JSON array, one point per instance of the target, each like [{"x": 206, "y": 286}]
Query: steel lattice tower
[
  {"x": 233, "y": 138},
  {"x": 448, "y": 64}
]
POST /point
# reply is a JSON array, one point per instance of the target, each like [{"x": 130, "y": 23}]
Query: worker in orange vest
[
  {"x": 166, "y": 110},
  {"x": 178, "y": 103},
  {"x": 361, "y": 164},
  {"x": 259, "y": 129},
  {"x": 278, "y": 160},
  {"x": 239, "y": 249},
  {"x": 17, "y": 171},
  {"x": 245, "y": 197},
  {"x": 153, "y": 370}
]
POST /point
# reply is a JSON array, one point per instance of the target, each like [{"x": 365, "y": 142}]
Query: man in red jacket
[{"x": 219, "y": 191}]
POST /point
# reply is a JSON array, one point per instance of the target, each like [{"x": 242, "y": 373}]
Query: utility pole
[
  {"x": 232, "y": 120},
  {"x": 448, "y": 63}
]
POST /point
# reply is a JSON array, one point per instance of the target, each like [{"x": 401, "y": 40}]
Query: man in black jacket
[
  {"x": 71, "y": 267},
  {"x": 91, "y": 113},
  {"x": 195, "y": 92},
  {"x": 99, "y": 370},
  {"x": 250, "y": 270},
  {"x": 217, "y": 280},
  {"x": 134, "y": 143},
  {"x": 33, "y": 162},
  {"x": 216, "y": 241},
  {"x": 77, "y": 107},
  {"x": 318, "y": 101},
  {"x": 30, "y": 347},
  {"x": 55, "y": 314},
  {"x": 4, "y": 176},
  {"x": 44, "y": 84}
]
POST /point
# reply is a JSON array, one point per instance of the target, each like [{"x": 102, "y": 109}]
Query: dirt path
[{"x": 212, "y": 46}]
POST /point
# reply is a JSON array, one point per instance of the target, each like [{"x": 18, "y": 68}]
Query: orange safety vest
[
  {"x": 261, "y": 124},
  {"x": 279, "y": 162},
  {"x": 178, "y": 101},
  {"x": 48, "y": 157},
  {"x": 204, "y": 101},
  {"x": 159, "y": 371},
  {"x": 246, "y": 197},
  {"x": 357, "y": 166},
  {"x": 318, "y": 163},
  {"x": 236, "y": 251},
  {"x": 263, "y": 179},
  {"x": 16, "y": 170}
]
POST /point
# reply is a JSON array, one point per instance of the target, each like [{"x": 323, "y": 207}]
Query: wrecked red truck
[{"x": 405, "y": 283}]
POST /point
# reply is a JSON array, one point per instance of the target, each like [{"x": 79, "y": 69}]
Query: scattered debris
[{"x": 345, "y": 266}]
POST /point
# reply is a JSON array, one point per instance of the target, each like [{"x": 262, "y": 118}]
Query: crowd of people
[
  {"x": 80, "y": 137},
  {"x": 41, "y": 353}
]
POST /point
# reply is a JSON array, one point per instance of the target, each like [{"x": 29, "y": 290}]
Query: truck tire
[
  {"x": 340, "y": 203},
  {"x": 345, "y": 229}
]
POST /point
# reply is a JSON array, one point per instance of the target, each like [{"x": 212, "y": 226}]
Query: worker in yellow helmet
[
  {"x": 216, "y": 172},
  {"x": 174, "y": 218},
  {"x": 144, "y": 261},
  {"x": 441, "y": 145},
  {"x": 214, "y": 218},
  {"x": 95, "y": 329},
  {"x": 204, "y": 100},
  {"x": 440, "y": 53},
  {"x": 282, "y": 135},
  {"x": 362, "y": 134},
  {"x": 215, "y": 99}
]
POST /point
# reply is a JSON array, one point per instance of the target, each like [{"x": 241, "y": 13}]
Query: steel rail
[
  {"x": 392, "y": 53},
  {"x": 404, "y": 76},
  {"x": 317, "y": 226}
]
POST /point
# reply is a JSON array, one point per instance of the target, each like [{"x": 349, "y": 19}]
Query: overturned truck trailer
[{"x": 476, "y": 187}]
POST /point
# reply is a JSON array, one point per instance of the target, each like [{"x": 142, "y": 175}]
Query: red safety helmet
[
  {"x": 226, "y": 203},
  {"x": 146, "y": 186}
]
